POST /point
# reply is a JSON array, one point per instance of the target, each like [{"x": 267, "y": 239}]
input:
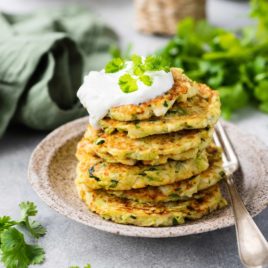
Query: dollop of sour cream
[{"x": 100, "y": 91}]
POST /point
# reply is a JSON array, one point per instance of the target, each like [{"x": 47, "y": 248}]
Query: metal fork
[{"x": 252, "y": 246}]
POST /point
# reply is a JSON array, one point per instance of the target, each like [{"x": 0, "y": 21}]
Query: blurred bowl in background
[{"x": 161, "y": 16}]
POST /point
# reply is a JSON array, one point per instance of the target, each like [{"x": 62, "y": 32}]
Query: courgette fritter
[
  {"x": 181, "y": 190},
  {"x": 196, "y": 113},
  {"x": 126, "y": 211},
  {"x": 97, "y": 173},
  {"x": 117, "y": 147},
  {"x": 183, "y": 89}
]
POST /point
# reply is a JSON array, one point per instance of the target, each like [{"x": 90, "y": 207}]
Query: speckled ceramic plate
[{"x": 52, "y": 174}]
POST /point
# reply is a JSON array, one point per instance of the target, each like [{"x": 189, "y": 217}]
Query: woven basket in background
[{"x": 162, "y": 16}]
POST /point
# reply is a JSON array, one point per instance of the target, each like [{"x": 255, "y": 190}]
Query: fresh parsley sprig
[
  {"x": 15, "y": 252},
  {"x": 234, "y": 64},
  {"x": 5, "y": 223},
  {"x": 156, "y": 63},
  {"x": 146, "y": 80},
  {"x": 129, "y": 82},
  {"x": 28, "y": 209},
  {"x": 114, "y": 65}
]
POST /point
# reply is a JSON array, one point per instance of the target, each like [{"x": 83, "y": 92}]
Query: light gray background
[{"x": 69, "y": 243}]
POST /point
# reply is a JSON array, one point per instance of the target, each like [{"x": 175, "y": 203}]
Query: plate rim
[{"x": 35, "y": 171}]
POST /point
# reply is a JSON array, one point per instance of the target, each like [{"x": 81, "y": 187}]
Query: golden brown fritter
[{"x": 126, "y": 211}]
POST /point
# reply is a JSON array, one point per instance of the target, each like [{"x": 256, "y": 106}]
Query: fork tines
[{"x": 230, "y": 161}]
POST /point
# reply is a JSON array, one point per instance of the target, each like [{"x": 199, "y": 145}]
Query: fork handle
[{"x": 252, "y": 246}]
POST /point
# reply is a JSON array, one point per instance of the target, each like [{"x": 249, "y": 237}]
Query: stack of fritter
[{"x": 154, "y": 164}]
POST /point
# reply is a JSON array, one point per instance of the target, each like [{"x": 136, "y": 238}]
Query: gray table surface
[{"x": 70, "y": 243}]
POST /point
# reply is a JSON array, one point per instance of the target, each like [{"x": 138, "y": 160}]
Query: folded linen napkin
[{"x": 43, "y": 59}]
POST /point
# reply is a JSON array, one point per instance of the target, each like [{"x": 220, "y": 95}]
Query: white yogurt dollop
[{"x": 100, "y": 91}]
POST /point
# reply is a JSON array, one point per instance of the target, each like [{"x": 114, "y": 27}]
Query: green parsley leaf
[
  {"x": 233, "y": 97},
  {"x": 146, "y": 80},
  {"x": 5, "y": 223},
  {"x": 155, "y": 63},
  {"x": 115, "y": 51},
  {"x": 87, "y": 266},
  {"x": 36, "y": 229},
  {"x": 114, "y": 65},
  {"x": 36, "y": 254},
  {"x": 261, "y": 91},
  {"x": 136, "y": 59},
  {"x": 29, "y": 209},
  {"x": 259, "y": 9},
  {"x": 127, "y": 83},
  {"x": 138, "y": 70},
  {"x": 152, "y": 63},
  {"x": 16, "y": 253},
  {"x": 264, "y": 107},
  {"x": 224, "y": 59},
  {"x": 138, "y": 67}
]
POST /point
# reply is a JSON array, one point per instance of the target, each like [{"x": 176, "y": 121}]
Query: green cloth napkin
[{"x": 43, "y": 57}]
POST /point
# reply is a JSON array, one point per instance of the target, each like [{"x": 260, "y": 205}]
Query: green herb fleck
[
  {"x": 178, "y": 111},
  {"x": 127, "y": 83},
  {"x": 133, "y": 217},
  {"x": 222, "y": 174},
  {"x": 137, "y": 125},
  {"x": 113, "y": 183},
  {"x": 181, "y": 111},
  {"x": 175, "y": 221},
  {"x": 188, "y": 126},
  {"x": 165, "y": 103},
  {"x": 142, "y": 173},
  {"x": 91, "y": 170},
  {"x": 151, "y": 178},
  {"x": 100, "y": 141},
  {"x": 114, "y": 65},
  {"x": 174, "y": 196},
  {"x": 152, "y": 169}
]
